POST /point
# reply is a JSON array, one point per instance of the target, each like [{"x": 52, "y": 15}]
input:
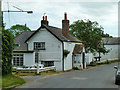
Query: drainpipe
[{"x": 63, "y": 57}]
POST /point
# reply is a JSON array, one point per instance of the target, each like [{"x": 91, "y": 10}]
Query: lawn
[{"x": 10, "y": 81}]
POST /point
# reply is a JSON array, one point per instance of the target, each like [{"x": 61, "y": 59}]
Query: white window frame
[
  {"x": 47, "y": 63},
  {"x": 18, "y": 59},
  {"x": 39, "y": 45}
]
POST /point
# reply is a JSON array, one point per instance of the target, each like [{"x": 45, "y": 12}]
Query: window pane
[
  {"x": 47, "y": 63},
  {"x": 18, "y": 59},
  {"x": 39, "y": 45}
]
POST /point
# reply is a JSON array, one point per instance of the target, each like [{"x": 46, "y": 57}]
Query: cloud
[
  {"x": 105, "y": 13},
  {"x": 61, "y": 0}
]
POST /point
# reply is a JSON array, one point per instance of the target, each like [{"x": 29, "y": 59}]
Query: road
[{"x": 97, "y": 77}]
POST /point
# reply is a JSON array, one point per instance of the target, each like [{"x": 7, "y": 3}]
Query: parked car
[{"x": 117, "y": 75}]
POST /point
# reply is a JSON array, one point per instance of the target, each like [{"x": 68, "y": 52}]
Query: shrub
[
  {"x": 66, "y": 52},
  {"x": 7, "y": 49},
  {"x": 107, "y": 62},
  {"x": 75, "y": 68}
]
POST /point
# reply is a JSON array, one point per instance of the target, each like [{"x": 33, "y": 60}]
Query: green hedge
[{"x": 7, "y": 49}]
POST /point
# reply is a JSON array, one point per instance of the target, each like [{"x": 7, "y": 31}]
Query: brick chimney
[
  {"x": 44, "y": 21},
  {"x": 65, "y": 26}
]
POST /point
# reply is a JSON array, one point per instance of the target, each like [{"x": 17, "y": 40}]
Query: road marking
[{"x": 79, "y": 78}]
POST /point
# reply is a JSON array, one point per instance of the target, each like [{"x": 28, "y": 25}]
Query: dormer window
[{"x": 39, "y": 45}]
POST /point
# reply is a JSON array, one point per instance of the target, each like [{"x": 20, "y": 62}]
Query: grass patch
[
  {"x": 108, "y": 62},
  {"x": 24, "y": 74},
  {"x": 41, "y": 73},
  {"x": 34, "y": 74},
  {"x": 11, "y": 80}
]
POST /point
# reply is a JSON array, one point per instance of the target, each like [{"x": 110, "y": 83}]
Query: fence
[{"x": 29, "y": 70}]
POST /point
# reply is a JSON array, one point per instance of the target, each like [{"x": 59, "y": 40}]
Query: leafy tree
[
  {"x": 17, "y": 29},
  {"x": 90, "y": 33},
  {"x": 7, "y": 49},
  {"x": 107, "y": 35},
  {"x": 6, "y": 46}
]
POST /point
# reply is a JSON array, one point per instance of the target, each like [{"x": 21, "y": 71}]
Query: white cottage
[
  {"x": 46, "y": 46},
  {"x": 112, "y": 44}
]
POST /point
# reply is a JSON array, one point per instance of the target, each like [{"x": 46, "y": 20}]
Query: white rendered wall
[
  {"x": 53, "y": 46},
  {"x": 59, "y": 64},
  {"x": 112, "y": 55},
  {"x": 29, "y": 59},
  {"x": 88, "y": 57},
  {"x": 68, "y": 60}
]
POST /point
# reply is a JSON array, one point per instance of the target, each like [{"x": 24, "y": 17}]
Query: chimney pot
[
  {"x": 46, "y": 18},
  {"x": 44, "y": 21},
  {"x": 65, "y": 16},
  {"x": 43, "y": 17}
]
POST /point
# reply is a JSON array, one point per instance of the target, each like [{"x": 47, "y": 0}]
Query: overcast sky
[{"x": 104, "y": 12}]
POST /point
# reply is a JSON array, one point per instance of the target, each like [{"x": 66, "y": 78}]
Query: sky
[{"x": 105, "y": 12}]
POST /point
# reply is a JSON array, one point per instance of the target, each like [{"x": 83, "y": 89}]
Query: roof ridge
[{"x": 53, "y": 27}]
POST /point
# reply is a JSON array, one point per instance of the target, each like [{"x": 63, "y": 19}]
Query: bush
[
  {"x": 7, "y": 49},
  {"x": 75, "y": 68},
  {"x": 66, "y": 52},
  {"x": 107, "y": 62}
]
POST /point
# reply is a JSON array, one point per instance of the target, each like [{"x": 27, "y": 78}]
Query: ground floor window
[
  {"x": 47, "y": 63},
  {"x": 18, "y": 59}
]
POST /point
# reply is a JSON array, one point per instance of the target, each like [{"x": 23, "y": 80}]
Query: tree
[
  {"x": 89, "y": 32},
  {"x": 7, "y": 49},
  {"x": 6, "y": 46},
  {"x": 17, "y": 29}
]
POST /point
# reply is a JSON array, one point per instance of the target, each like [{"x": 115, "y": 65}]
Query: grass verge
[
  {"x": 44, "y": 73},
  {"x": 34, "y": 74},
  {"x": 11, "y": 81},
  {"x": 102, "y": 63},
  {"x": 108, "y": 62}
]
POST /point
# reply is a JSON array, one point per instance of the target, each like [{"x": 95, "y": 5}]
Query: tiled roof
[
  {"x": 25, "y": 36},
  {"x": 111, "y": 41},
  {"x": 58, "y": 33},
  {"x": 78, "y": 49},
  {"x": 20, "y": 39}
]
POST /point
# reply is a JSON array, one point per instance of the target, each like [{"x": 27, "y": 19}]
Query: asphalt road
[{"x": 98, "y": 77}]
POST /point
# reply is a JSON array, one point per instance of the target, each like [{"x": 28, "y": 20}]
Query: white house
[
  {"x": 47, "y": 46},
  {"x": 112, "y": 44}
]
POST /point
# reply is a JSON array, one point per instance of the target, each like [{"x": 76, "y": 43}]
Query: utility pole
[
  {"x": 1, "y": 14},
  {"x": 0, "y": 46},
  {"x": 20, "y": 10}
]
